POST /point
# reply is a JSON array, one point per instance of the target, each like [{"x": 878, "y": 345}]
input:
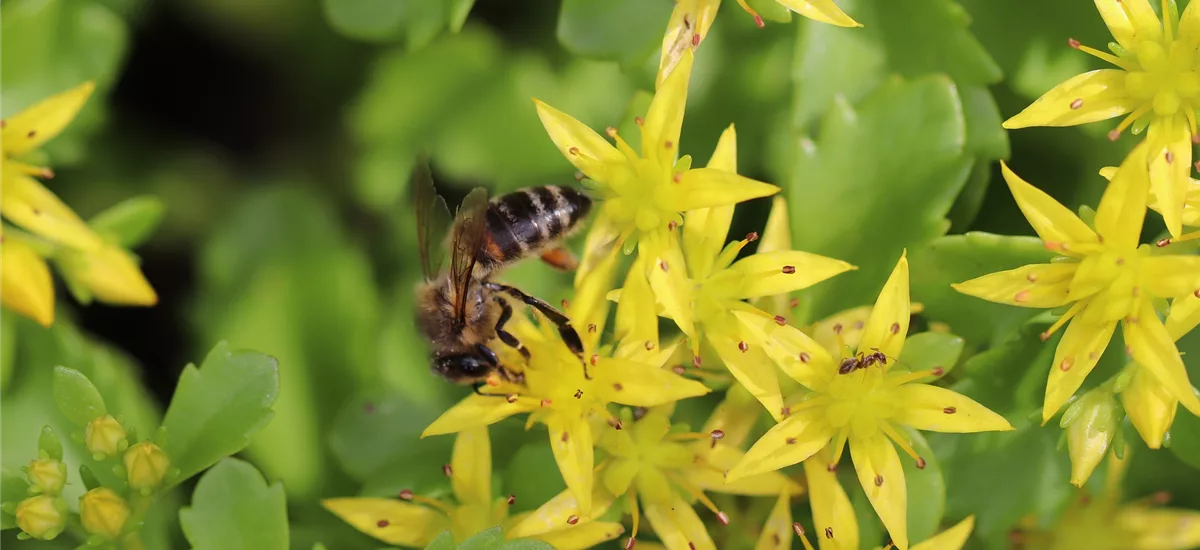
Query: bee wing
[
  {"x": 433, "y": 219},
  {"x": 470, "y": 221}
]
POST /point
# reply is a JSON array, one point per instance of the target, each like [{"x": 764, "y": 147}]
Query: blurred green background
[{"x": 280, "y": 135}]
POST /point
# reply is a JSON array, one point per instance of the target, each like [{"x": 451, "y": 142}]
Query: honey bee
[{"x": 460, "y": 311}]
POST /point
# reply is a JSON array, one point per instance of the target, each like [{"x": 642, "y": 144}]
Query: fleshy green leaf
[
  {"x": 619, "y": 30},
  {"x": 63, "y": 43},
  {"x": 930, "y": 350},
  {"x": 493, "y": 539},
  {"x": 76, "y": 396},
  {"x": 233, "y": 508},
  {"x": 926, "y": 490},
  {"x": 1185, "y": 437},
  {"x": 218, "y": 407},
  {"x": 866, "y": 212},
  {"x": 130, "y": 222},
  {"x": 958, "y": 258},
  {"x": 444, "y": 541},
  {"x": 386, "y": 20},
  {"x": 377, "y": 432},
  {"x": 523, "y": 475}
]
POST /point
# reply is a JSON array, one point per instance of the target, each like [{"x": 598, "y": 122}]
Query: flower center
[{"x": 1166, "y": 78}]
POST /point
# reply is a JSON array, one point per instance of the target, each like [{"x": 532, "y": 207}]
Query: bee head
[{"x": 468, "y": 366}]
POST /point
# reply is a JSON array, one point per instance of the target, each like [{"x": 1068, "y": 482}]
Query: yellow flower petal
[
  {"x": 791, "y": 441},
  {"x": 1161, "y": 529},
  {"x": 677, "y": 525},
  {"x": 751, "y": 367},
  {"x": 1153, "y": 348},
  {"x": 582, "y": 146},
  {"x": 1035, "y": 285},
  {"x": 1184, "y": 315},
  {"x": 1189, "y": 24},
  {"x": 637, "y": 316},
  {"x": 830, "y": 505},
  {"x": 25, "y": 285},
  {"x": 1122, "y": 208},
  {"x": 824, "y": 11},
  {"x": 1169, "y": 150},
  {"x": 583, "y": 535},
  {"x": 1151, "y": 407},
  {"x": 406, "y": 524},
  {"x": 687, "y": 27},
  {"x": 110, "y": 274},
  {"x": 1080, "y": 348},
  {"x": 1053, "y": 222},
  {"x": 705, "y": 229},
  {"x": 471, "y": 466},
  {"x": 888, "y": 325},
  {"x": 1130, "y": 21},
  {"x": 589, "y": 305},
  {"x": 951, "y": 539},
  {"x": 771, "y": 273},
  {"x": 882, "y": 477},
  {"x": 552, "y": 516},
  {"x": 667, "y": 273},
  {"x": 27, "y": 203},
  {"x": 1099, "y": 95},
  {"x": 777, "y": 531},
  {"x": 1169, "y": 276},
  {"x": 937, "y": 409},
  {"x": 664, "y": 117},
  {"x": 799, "y": 356},
  {"x": 474, "y": 411},
  {"x": 734, "y": 416},
  {"x": 709, "y": 187},
  {"x": 724, "y": 457},
  {"x": 571, "y": 442},
  {"x": 643, "y": 385},
  {"x": 36, "y": 125}
]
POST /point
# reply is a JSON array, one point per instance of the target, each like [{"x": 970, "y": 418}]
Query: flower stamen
[
  {"x": 632, "y": 503},
  {"x": 1102, "y": 55},
  {"x": 435, "y": 504},
  {"x": 1129, "y": 119},
  {"x": 1075, "y": 309},
  {"x": 799, "y": 530},
  {"x": 901, "y": 442},
  {"x": 699, "y": 495}
]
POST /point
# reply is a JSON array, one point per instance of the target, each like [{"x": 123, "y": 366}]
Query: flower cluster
[
  {"x": 93, "y": 262},
  {"x": 1103, "y": 276}
]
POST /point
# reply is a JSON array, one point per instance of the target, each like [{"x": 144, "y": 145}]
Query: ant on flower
[{"x": 861, "y": 361}]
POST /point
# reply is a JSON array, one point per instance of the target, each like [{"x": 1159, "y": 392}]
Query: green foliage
[
  {"x": 492, "y": 539},
  {"x": 627, "y": 31},
  {"x": 234, "y": 508},
  {"x": 218, "y": 407},
  {"x": 130, "y": 222},
  {"x": 926, "y": 486},
  {"x": 76, "y": 396},
  {"x": 386, "y": 20}
]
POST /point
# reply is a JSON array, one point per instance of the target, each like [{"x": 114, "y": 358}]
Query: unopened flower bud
[
  {"x": 1150, "y": 405},
  {"x": 103, "y": 513},
  {"x": 104, "y": 437},
  {"x": 1090, "y": 433},
  {"x": 47, "y": 475},
  {"x": 145, "y": 466},
  {"x": 42, "y": 517}
]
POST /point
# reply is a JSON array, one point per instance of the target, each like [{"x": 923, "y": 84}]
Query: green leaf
[
  {"x": 1010, "y": 378},
  {"x": 217, "y": 408},
  {"x": 958, "y": 258},
  {"x": 131, "y": 221},
  {"x": 930, "y": 350},
  {"x": 926, "y": 490},
  {"x": 493, "y": 539},
  {"x": 523, "y": 477},
  {"x": 234, "y": 508},
  {"x": 62, "y": 43},
  {"x": 76, "y": 396},
  {"x": 866, "y": 213},
  {"x": 373, "y": 20},
  {"x": 444, "y": 541},
  {"x": 13, "y": 487},
  {"x": 48, "y": 443},
  {"x": 621, "y": 30},
  {"x": 1185, "y": 437},
  {"x": 375, "y": 432}
]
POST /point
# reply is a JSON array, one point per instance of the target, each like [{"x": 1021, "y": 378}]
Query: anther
[
  {"x": 1073, "y": 43},
  {"x": 616, "y": 424},
  {"x": 785, "y": 412},
  {"x": 447, "y": 470},
  {"x": 937, "y": 371},
  {"x": 612, "y": 132},
  {"x": 790, "y": 441},
  {"x": 717, "y": 435},
  {"x": 695, "y": 40},
  {"x": 678, "y": 369},
  {"x": 493, "y": 381},
  {"x": 668, "y": 144},
  {"x": 723, "y": 518},
  {"x": 1032, "y": 277},
  {"x": 511, "y": 398},
  {"x": 793, "y": 303},
  {"x": 831, "y": 467},
  {"x": 1196, "y": 293},
  {"x": 512, "y": 499},
  {"x": 1163, "y": 242},
  {"x": 47, "y": 173},
  {"x": 1022, "y": 296},
  {"x": 566, "y": 304},
  {"x": 837, "y": 328},
  {"x": 648, "y": 345},
  {"x": 859, "y": 325},
  {"x": 920, "y": 463},
  {"x": 566, "y": 437},
  {"x": 1169, "y": 157},
  {"x": 805, "y": 357},
  {"x": 758, "y": 20},
  {"x": 696, "y": 361},
  {"x": 895, "y": 328},
  {"x": 789, "y": 269},
  {"x": 829, "y": 532},
  {"x": 691, "y": 546},
  {"x": 1196, "y": 139},
  {"x": 798, "y": 529},
  {"x": 638, "y": 120},
  {"x": 629, "y": 544},
  {"x": 573, "y": 151},
  {"x": 1077, "y": 103},
  {"x": 743, "y": 346},
  {"x": 617, "y": 386},
  {"x": 406, "y": 494},
  {"x": 678, "y": 177},
  {"x": 752, "y": 236},
  {"x": 879, "y": 480},
  {"x": 578, "y": 394},
  {"x": 546, "y": 403},
  {"x": 31, "y": 134},
  {"x": 780, "y": 320},
  {"x": 1114, "y": 134},
  {"x": 1161, "y": 497},
  {"x": 591, "y": 328},
  {"x": 1066, "y": 364},
  {"x": 950, "y": 410},
  {"x": 662, "y": 264},
  {"x": 1045, "y": 335},
  {"x": 578, "y": 176},
  {"x": 671, "y": 225},
  {"x": 593, "y": 359},
  {"x": 572, "y": 519},
  {"x": 3, "y": 124},
  {"x": 382, "y": 523}
]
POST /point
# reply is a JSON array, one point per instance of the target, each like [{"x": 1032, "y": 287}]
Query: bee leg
[
  {"x": 561, "y": 259},
  {"x": 569, "y": 336},
  {"x": 506, "y": 313}
]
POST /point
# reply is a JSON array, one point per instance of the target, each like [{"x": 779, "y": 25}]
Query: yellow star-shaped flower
[
  {"x": 1105, "y": 277},
  {"x": 824, "y": 11},
  {"x": 865, "y": 407},
  {"x": 1155, "y": 83},
  {"x": 413, "y": 520}
]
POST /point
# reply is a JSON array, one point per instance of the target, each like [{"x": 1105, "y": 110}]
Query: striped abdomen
[{"x": 525, "y": 221}]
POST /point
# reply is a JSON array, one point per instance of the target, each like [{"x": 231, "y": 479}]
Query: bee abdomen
[{"x": 528, "y": 219}]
